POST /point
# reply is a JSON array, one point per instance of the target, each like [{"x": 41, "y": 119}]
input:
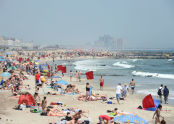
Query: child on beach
[{"x": 157, "y": 115}]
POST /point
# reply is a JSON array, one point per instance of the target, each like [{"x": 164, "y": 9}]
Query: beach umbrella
[
  {"x": 62, "y": 82},
  {"x": 2, "y": 59},
  {"x": 5, "y": 74},
  {"x": 36, "y": 60},
  {"x": 56, "y": 77},
  {"x": 130, "y": 118}
]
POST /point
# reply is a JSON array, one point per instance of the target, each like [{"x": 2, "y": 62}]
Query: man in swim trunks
[
  {"x": 157, "y": 115},
  {"x": 132, "y": 85},
  {"x": 101, "y": 82}
]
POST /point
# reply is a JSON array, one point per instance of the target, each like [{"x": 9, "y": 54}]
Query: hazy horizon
[{"x": 142, "y": 24}]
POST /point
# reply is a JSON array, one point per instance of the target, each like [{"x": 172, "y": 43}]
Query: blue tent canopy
[
  {"x": 157, "y": 103},
  {"x": 62, "y": 82}
]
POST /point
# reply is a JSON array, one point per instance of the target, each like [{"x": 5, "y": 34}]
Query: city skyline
[{"x": 142, "y": 24}]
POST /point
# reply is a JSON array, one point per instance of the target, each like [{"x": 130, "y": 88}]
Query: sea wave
[
  {"x": 91, "y": 65},
  {"x": 123, "y": 64},
  {"x": 170, "y": 60},
  {"x": 148, "y": 74}
]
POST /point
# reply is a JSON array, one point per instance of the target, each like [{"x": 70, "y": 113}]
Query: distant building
[
  {"x": 105, "y": 41},
  {"x": 109, "y": 42},
  {"x": 120, "y": 44},
  {"x": 14, "y": 43}
]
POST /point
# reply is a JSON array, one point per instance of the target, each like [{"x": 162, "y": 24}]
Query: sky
[{"x": 141, "y": 23}]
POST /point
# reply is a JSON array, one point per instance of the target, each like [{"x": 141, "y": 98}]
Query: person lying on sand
[
  {"x": 116, "y": 112},
  {"x": 53, "y": 112},
  {"x": 71, "y": 88},
  {"x": 93, "y": 97}
]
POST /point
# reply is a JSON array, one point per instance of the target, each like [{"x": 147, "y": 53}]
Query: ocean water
[{"x": 148, "y": 74}]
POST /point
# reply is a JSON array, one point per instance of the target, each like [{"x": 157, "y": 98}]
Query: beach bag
[
  {"x": 109, "y": 102},
  {"x": 159, "y": 92}
]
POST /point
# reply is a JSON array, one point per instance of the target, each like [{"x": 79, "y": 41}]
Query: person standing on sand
[
  {"x": 157, "y": 115},
  {"x": 132, "y": 85},
  {"x": 87, "y": 91},
  {"x": 101, "y": 82},
  {"x": 44, "y": 103},
  {"x": 118, "y": 92},
  {"x": 160, "y": 93},
  {"x": 71, "y": 75},
  {"x": 166, "y": 94},
  {"x": 76, "y": 76},
  {"x": 79, "y": 76}
]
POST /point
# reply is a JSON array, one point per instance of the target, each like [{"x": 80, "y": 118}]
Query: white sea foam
[
  {"x": 123, "y": 64},
  {"x": 92, "y": 65},
  {"x": 148, "y": 74},
  {"x": 170, "y": 60}
]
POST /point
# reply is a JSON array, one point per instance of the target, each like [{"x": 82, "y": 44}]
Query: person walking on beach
[
  {"x": 166, "y": 94},
  {"x": 132, "y": 85},
  {"x": 157, "y": 115},
  {"x": 71, "y": 75},
  {"x": 101, "y": 82},
  {"x": 118, "y": 92},
  {"x": 160, "y": 92}
]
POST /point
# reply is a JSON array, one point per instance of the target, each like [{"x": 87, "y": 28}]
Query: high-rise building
[{"x": 120, "y": 44}]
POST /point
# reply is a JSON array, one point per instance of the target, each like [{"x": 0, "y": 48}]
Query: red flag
[
  {"x": 28, "y": 59},
  {"x": 59, "y": 67},
  {"x": 148, "y": 102},
  {"x": 20, "y": 59},
  {"x": 63, "y": 69},
  {"x": 38, "y": 58},
  {"x": 89, "y": 75},
  {"x": 48, "y": 67}
]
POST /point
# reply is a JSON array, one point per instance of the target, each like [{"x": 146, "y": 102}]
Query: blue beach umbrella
[
  {"x": 56, "y": 77},
  {"x": 2, "y": 59},
  {"x": 5, "y": 74},
  {"x": 62, "y": 82},
  {"x": 130, "y": 118},
  {"x": 36, "y": 60}
]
